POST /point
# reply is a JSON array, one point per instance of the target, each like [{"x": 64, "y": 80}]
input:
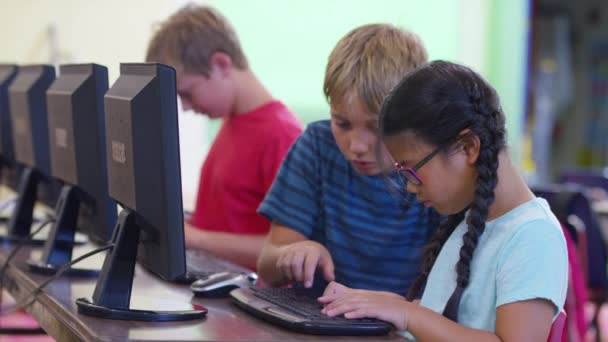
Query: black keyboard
[
  {"x": 299, "y": 310},
  {"x": 303, "y": 302}
]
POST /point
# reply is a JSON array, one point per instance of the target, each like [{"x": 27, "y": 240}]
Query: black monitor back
[
  {"x": 77, "y": 143},
  {"x": 10, "y": 173},
  {"x": 143, "y": 162},
  {"x": 27, "y": 108},
  {"x": 27, "y": 101},
  {"x": 7, "y": 148}
]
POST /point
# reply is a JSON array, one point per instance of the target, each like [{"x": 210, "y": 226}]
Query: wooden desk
[{"x": 57, "y": 314}]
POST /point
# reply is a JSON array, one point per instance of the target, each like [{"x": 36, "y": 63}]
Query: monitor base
[
  {"x": 11, "y": 239},
  {"x": 79, "y": 239},
  {"x": 87, "y": 308},
  {"x": 39, "y": 267}
]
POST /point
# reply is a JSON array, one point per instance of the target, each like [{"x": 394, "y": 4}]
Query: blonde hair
[
  {"x": 369, "y": 61},
  {"x": 188, "y": 39}
]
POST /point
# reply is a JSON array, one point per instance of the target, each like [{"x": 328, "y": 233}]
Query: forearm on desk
[
  {"x": 278, "y": 237},
  {"x": 267, "y": 269},
  {"x": 238, "y": 248}
]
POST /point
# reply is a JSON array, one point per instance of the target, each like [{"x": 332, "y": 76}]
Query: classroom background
[
  {"x": 548, "y": 60},
  {"x": 287, "y": 44}
]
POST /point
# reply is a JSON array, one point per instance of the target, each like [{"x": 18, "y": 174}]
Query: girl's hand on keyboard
[
  {"x": 299, "y": 261},
  {"x": 333, "y": 291},
  {"x": 390, "y": 307}
]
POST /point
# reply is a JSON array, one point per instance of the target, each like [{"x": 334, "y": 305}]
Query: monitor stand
[
  {"x": 60, "y": 241},
  {"x": 112, "y": 294},
  {"x": 20, "y": 222}
]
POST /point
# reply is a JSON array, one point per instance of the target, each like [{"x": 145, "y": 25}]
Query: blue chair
[{"x": 597, "y": 178}]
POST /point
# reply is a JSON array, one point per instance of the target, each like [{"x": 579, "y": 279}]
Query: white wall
[
  {"x": 473, "y": 34},
  {"x": 105, "y": 32}
]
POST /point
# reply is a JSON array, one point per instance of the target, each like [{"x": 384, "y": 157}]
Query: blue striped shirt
[{"x": 374, "y": 233}]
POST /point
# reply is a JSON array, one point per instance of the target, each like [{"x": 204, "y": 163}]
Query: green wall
[
  {"x": 507, "y": 46},
  {"x": 288, "y": 42}
]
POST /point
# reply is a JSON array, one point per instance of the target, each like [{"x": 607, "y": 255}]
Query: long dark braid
[
  {"x": 431, "y": 252},
  {"x": 437, "y": 102},
  {"x": 491, "y": 122}
]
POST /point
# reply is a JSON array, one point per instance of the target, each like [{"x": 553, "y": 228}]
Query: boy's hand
[{"x": 298, "y": 262}]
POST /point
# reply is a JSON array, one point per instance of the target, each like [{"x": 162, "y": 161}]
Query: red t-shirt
[{"x": 240, "y": 167}]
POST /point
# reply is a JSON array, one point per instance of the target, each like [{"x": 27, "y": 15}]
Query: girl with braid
[{"x": 497, "y": 268}]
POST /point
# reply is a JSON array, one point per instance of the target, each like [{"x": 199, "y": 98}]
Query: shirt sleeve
[
  {"x": 294, "y": 197},
  {"x": 533, "y": 264}
]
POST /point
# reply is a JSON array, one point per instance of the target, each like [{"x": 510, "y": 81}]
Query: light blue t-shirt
[{"x": 521, "y": 255}]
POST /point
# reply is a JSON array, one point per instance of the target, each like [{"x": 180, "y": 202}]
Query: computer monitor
[
  {"x": 142, "y": 146},
  {"x": 9, "y": 172},
  {"x": 8, "y": 72},
  {"x": 78, "y": 159},
  {"x": 28, "y": 115}
]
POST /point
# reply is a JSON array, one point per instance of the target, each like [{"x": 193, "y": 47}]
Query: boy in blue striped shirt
[{"x": 331, "y": 206}]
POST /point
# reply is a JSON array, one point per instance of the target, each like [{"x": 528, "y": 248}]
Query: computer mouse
[{"x": 221, "y": 283}]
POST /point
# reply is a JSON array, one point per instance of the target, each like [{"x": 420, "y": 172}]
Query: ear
[
  {"x": 471, "y": 145},
  {"x": 220, "y": 64}
]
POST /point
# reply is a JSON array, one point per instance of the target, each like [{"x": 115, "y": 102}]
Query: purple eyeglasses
[{"x": 410, "y": 172}]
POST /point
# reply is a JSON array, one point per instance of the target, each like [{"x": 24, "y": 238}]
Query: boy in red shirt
[{"x": 214, "y": 79}]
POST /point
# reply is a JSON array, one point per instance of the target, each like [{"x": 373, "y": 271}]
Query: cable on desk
[
  {"x": 20, "y": 244},
  {"x": 64, "y": 268},
  {"x": 21, "y": 331},
  {"x": 18, "y": 330},
  {"x": 5, "y": 204}
]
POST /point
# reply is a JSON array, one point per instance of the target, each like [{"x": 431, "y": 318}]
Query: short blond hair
[
  {"x": 188, "y": 39},
  {"x": 369, "y": 61}
]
